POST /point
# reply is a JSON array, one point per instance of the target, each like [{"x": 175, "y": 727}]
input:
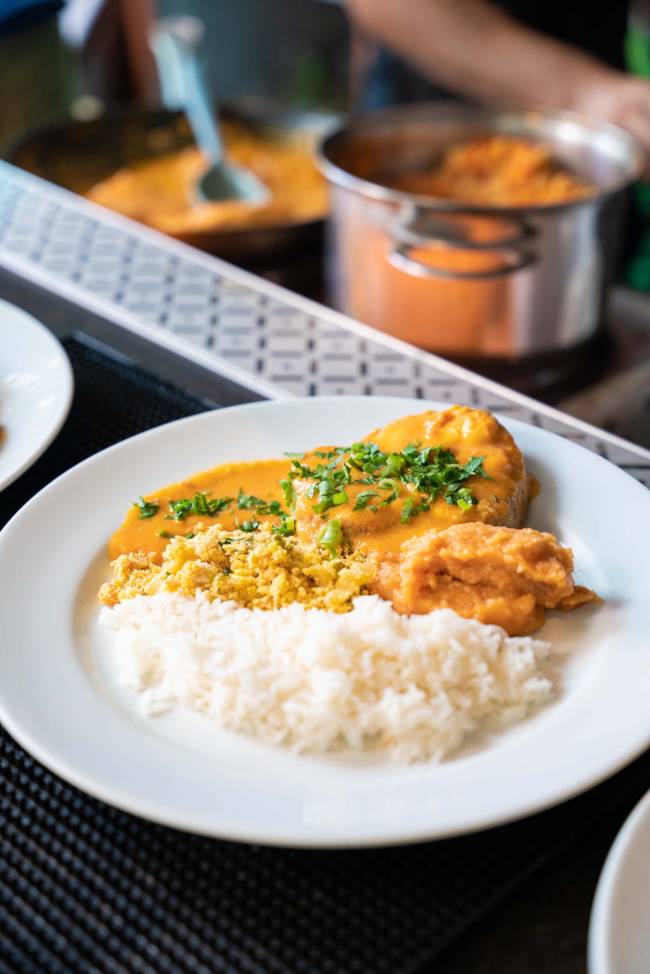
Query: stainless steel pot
[{"x": 505, "y": 282}]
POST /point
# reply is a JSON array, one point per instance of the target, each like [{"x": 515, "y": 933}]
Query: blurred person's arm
[{"x": 477, "y": 50}]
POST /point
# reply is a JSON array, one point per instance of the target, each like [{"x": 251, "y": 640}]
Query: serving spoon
[{"x": 174, "y": 42}]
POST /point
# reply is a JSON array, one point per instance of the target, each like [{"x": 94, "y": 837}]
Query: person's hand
[{"x": 622, "y": 99}]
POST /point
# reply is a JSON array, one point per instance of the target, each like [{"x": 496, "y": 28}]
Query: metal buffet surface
[{"x": 231, "y": 322}]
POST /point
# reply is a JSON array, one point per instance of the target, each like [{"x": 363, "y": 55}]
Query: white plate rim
[
  {"x": 45, "y": 340},
  {"x": 94, "y": 785}
]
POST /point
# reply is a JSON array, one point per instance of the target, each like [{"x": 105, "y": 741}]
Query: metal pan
[{"x": 78, "y": 154}]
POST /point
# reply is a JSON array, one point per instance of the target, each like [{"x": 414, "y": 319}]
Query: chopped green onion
[
  {"x": 289, "y": 492},
  {"x": 407, "y": 510},
  {"x": 323, "y": 506},
  {"x": 286, "y": 527},
  {"x": 331, "y": 537}
]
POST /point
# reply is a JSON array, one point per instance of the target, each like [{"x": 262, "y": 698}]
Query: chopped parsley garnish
[
  {"x": 425, "y": 473},
  {"x": 166, "y": 534},
  {"x": 463, "y": 498},
  {"x": 180, "y": 510},
  {"x": 412, "y": 507},
  {"x": 331, "y": 537},
  {"x": 200, "y": 504},
  {"x": 248, "y": 502},
  {"x": 146, "y": 508},
  {"x": 286, "y": 527},
  {"x": 363, "y": 498}
]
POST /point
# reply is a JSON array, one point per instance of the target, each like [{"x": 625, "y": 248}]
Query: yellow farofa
[{"x": 259, "y": 570}]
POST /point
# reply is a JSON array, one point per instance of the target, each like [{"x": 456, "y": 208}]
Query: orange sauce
[
  {"x": 258, "y": 477},
  {"x": 502, "y": 495}
]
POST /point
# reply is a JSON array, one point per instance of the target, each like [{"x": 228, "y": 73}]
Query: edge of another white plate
[
  {"x": 611, "y": 890},
  {"x": 47, "y": 346}
]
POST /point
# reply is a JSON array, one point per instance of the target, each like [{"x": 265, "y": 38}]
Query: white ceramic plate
[
  {"x": 619, "y": 933},
  {"x": 58, "y": 700},
  {"x": 35, "y": 390}
]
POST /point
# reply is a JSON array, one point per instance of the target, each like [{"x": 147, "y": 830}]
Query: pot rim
[{"x": 448, "y": 110}]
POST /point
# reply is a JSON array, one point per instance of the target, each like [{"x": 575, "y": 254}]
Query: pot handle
[{"x": 418, "y": 230}]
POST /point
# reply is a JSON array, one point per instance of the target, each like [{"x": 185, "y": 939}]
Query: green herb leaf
[
  {"x": 363, "y": 498},
  {"x": 146, "y": 509},
  {"x": 323, "y": 506},
  {"x": 285, "y": 528},
  {"x": 430, "y": 472},
  {"x": 407, "y": 510},
  {"x": 219, "y": 504},
  {"x": 200, "y": 505},
  {"x": 249, "y": 526},
  {"x": 464, "y": 499},
  {"x": 249, "y": 502},
  {"x": 331, "y": 537},
  {"x": 289, "y": 492},
  {"x": 180, "y": 509},
  {"x": 395, "y": 463},
  {"x": 474, "y": 467}
]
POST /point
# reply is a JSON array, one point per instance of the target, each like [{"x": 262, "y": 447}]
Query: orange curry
[{"x": 434, "y": 502}]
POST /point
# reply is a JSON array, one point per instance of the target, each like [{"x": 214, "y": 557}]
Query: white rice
[{"x": 414, "y": 686}]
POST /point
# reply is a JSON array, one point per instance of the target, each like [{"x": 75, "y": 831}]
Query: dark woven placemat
[{"x": 85, "y": 888}]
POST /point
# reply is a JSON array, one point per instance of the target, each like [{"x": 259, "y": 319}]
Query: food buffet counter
[{"x": 220, "y": 335}]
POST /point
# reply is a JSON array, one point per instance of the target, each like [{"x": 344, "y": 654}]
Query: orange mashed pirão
[{"x": 426, "y": 512}]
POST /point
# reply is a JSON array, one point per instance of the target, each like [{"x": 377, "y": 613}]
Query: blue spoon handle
[{"x": 174, "y": 42}]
